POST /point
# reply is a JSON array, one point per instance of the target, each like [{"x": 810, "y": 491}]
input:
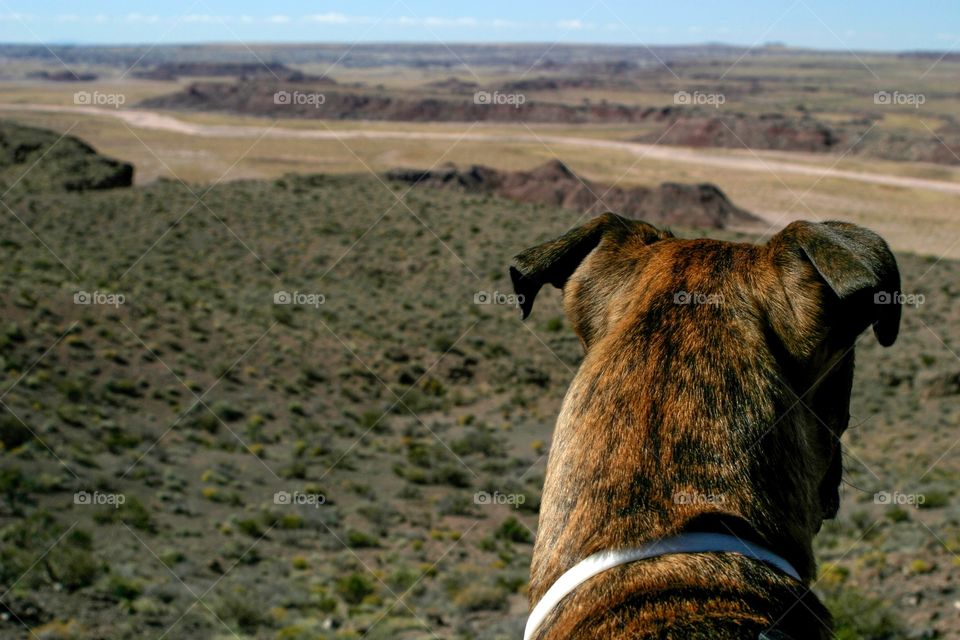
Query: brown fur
[{"x": 744, "y": 398}]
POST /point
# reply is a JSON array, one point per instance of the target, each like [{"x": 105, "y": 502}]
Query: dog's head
[{"x": 728, "y": 335}]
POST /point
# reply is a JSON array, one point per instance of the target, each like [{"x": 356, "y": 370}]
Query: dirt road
[{"x": 757, "y": 161}]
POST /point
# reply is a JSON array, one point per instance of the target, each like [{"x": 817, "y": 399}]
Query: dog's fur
[{"x": 743, "y": 398}]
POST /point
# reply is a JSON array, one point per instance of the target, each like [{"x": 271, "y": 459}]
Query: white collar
[{"x": 696, "y": 542}]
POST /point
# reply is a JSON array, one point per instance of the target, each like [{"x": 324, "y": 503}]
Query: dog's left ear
[
  {"x": 555, "y": 261},
  {"x": 859, "y": 267}
]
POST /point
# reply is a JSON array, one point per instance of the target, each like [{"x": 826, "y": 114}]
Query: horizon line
[{"x": 518, "y": 43}]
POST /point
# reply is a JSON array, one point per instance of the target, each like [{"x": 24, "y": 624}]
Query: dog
[{"x": 697, "y": 451}]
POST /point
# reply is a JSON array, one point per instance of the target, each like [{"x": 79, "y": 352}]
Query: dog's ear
[
  {"x": 555, "y": 261},
  {"x": 859, "y": 268}
]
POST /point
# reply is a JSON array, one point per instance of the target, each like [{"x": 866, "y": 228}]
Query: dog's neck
[
  {"x": 643, "y": 450},
  {"x": 684, "y": 543}
]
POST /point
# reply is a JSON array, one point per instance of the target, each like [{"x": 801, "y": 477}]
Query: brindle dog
[{"x": 712, "y": 369}]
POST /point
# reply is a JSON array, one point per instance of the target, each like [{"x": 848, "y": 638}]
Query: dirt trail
[{"x": 155, "y": 120}]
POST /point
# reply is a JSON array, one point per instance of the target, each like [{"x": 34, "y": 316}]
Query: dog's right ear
[{"x": 555, "y": 261}]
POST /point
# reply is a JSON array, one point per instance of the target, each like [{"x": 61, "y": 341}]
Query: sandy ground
[{"x": 758, "y": 161}]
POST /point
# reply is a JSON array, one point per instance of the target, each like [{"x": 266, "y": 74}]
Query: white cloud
[
  {"x": 279, "y": 19},
  {"x": 139, "y": 17},
  {"x": 17, "y": 17},
  {"x": 450, "y": 22},
  {"x": 331, "y": 18},
  {"x": 203, "y": 18},
  {"x": 570, "y": 25},
  {"x": 434, "y": 21}
]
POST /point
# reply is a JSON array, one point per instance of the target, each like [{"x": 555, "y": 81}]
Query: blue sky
[{"x": 823, "y": 24}]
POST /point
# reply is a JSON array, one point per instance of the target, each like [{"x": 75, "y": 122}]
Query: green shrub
[
  {"x": 123, "y": 387},
  {"x": 934, "y": 500},
  {"x": 513, "y": 530},
  {"x": 250, "y": 527},
  {"x": 245, "y": 610},
  {"x": 13, "y": 487},
  {"x": 13, "y": 433},
  {"x": 227, "y": 412},
  {"x": 860, "y": 617},
  {"x": 72, "y": 563},
  {"x": 354, "y": 588},
  {"x": 360, "y": 540},
  {"x": 479, "y": 597},
  {"x": 897, "y": 514},
  {"x": 479, "y": 440},
  {"x": 131, "y": 512},
  {"x": 123, "y": 588},
  {"x": 452, "y": 474}
]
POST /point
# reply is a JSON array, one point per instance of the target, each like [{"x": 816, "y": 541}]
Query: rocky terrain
[
  {"x": 66, "y": 75},
  {"x": 555, "y": 185},
  {"x": 458, "y": 101},
  {"x": 737, "y": 131},
  {"x": 34, "y": 159},
  {"x": 277, "y": 71},
  {"x": 257, "y": 98},
  {"x": 802, "y": 132}
]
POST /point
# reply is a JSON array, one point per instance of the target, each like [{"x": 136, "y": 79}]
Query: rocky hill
[
  {"x": 555, "y": 185},
  {"x": 256, "y": 97},
  {"x": 275, "y": 70},
  {"x": 453, "y": 100},
  {"x": 33, "y": 159}
]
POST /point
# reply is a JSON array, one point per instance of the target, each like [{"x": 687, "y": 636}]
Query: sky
[{"x": 821, "y": 24}]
